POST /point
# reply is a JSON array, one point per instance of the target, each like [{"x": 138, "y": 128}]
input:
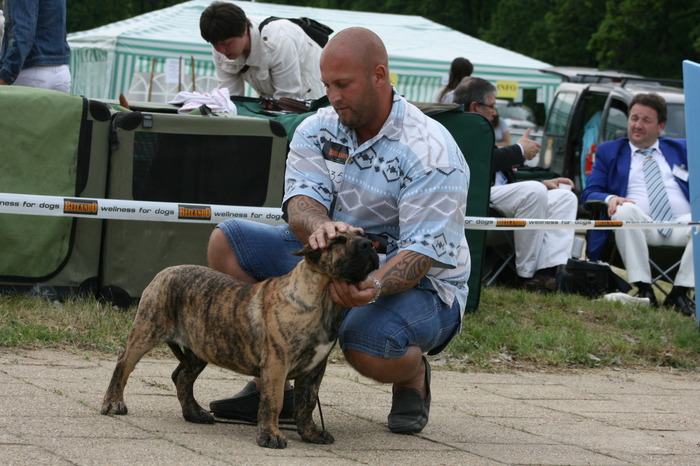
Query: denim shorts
[{"x": 386, "y": 328}]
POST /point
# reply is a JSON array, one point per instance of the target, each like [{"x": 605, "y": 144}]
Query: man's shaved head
[
  {"x": 360, "y": 45},
  {"x": 355, "y": 71}
]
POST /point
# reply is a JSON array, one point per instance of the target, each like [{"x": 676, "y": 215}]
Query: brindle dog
[{"x": 281, "y": 328}]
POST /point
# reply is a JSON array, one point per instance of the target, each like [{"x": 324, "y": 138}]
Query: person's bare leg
[
  {"x": 408, "y": 371},
  {"x": 221, "y": 257}
]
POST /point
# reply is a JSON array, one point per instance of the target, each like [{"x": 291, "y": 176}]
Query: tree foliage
[
  {"x": 569, "y": 27},
  {"x": 82, "y": 15},
  {"x": 650, "y": 37},
  {"x": 463, "y": 15},
  {"x": 518, "y": 26}
]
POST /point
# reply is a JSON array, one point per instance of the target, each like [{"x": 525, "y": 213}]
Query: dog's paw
[
  {"x": 114, "y": 407},
  {"x": 320, "y": 436},
  {"x": 198, "y": 416},
  {"x": 269, "y": 440}
]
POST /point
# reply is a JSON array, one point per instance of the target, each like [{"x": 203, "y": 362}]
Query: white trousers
[
  {"x": 537, "y": 249},
  {"x": 633, "y": 246},
  {"x": 56, "y": 78}
]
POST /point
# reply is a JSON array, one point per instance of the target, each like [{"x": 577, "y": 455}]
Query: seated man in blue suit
[{"x": 622, "y": 178}]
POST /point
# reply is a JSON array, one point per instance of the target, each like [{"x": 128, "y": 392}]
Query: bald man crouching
[{"x": 373, "y": 162}]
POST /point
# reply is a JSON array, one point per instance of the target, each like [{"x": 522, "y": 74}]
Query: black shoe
[
  {"x": 540, "y": 282},
  {"x": 244, "y": 405},
  {"x": 409, "y": 412},
  {"x": 681, "y": 303},
  {"x": 645, "y": 290}
]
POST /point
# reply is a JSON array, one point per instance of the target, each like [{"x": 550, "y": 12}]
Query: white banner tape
[
  {"x": 117, "y": 209},
  {"x": 493, "y": 223}
]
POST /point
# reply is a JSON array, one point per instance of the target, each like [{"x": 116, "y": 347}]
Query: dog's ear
[{"x": 309, "y": 253}]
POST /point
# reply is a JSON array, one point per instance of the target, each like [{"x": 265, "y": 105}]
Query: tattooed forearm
[
  {"x": 404, "y": 270},
  {"x": 305, "y": 216}
]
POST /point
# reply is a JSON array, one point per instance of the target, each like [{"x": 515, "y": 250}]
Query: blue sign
[{"x": 691, "y": 84}]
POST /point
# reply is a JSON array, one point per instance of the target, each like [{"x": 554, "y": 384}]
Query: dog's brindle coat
[{"x": 281, "y": 328}]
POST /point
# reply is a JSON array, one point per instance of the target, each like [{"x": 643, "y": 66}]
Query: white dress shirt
[{"x": 637, "y": 187}]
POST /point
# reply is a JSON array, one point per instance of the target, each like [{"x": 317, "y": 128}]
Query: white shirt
[
  {"x": 283, "y": 62},
  {"x": 637, "y": 187},
  {"x": 447, "y": 98}
]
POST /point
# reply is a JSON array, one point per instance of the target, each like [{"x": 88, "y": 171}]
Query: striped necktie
[{"x": 658, "y": 198}]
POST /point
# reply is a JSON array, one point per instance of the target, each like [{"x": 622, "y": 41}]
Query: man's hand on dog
[
  {"x": 353, "y": 294},
  {"x": 343, "y": 293},
  {"x": 329, "y": 230}
]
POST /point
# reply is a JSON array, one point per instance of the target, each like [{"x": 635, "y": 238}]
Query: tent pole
[
  {"x": 150, "y": 84},
  {"x": 193, "y": 85},
  {"x": 179, "y": 75}
]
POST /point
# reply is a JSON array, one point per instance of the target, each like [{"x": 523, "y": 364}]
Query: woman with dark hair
[{"x": 460, "y": 69}]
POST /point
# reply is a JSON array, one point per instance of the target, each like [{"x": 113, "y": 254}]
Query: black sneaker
[
  {"x": 244, "y": 405},
  {"x": 409, "y": 413}
]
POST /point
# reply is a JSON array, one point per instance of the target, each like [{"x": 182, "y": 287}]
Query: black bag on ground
[
  {"x": 319, "y": 32},
  {"x": 591, "y": 279}
]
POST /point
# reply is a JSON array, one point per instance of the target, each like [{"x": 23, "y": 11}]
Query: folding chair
[
  {"x": 499, "y": 255},
  {"x": 664, "y": 261},
  {"x": 474, "y": 135}
]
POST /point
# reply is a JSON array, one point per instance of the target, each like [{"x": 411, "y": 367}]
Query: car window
[
  {"x": 675, "y": 121},
  {"x": 560, "y": 113},
  {"x": 517, "y": 112},
  {"x": 615, "y": 125}
]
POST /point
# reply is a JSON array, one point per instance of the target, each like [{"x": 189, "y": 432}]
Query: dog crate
[
  {"x": 53, "y": 144},
  {"x": 185, "y": 159}
]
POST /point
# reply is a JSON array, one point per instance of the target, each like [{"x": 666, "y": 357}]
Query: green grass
[
  {"x": 513, "y": 329},
  {"x": 85, "y": 324},
  {"x": 516, "y": 328}
]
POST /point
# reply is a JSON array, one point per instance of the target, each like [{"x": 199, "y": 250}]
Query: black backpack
[{"x": 319, "y": 32}]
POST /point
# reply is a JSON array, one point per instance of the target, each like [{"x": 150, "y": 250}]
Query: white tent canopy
[{"x": 140, "y": 56}]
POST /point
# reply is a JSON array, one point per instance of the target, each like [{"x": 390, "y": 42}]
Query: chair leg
[
  {"x": 662, "y": 274},
  {"x": 665, "y": 275},
  {"x": 506, "y": 262}
]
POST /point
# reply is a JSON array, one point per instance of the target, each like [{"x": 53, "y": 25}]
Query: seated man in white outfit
[
  {"x": 624, "y": 178},
  {"x": 280, "y": 60},
  {"x": 538, "y": 253}
]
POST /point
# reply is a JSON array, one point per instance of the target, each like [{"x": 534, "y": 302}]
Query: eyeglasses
[{"x": 492, "y": 106}]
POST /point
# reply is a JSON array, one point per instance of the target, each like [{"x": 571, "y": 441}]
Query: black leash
[{"x": 320, "y": 412}]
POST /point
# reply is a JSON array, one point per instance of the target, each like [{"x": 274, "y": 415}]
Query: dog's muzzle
[{"x": 363, "y": 260}]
